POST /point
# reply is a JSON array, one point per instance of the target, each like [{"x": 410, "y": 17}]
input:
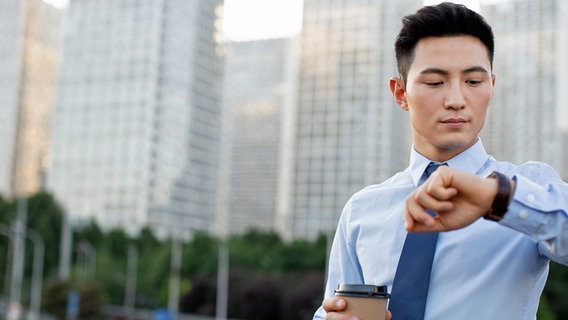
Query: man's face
[{"x": 447, "y": 93}]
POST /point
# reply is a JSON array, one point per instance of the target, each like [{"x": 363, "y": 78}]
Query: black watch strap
[{"x": 501, "y": 201}]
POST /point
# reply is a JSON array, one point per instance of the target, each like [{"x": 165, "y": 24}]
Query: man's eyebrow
[
  {"x": 475, "y": 69},
  {"x": 435, "y": 71},
  {"x": 446, "y": 72}
]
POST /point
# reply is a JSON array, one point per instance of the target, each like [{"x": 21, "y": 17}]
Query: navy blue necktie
[{"x": 412, "y": 278}]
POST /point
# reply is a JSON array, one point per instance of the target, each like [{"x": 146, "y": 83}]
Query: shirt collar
[{"x": 470, "y": 160}]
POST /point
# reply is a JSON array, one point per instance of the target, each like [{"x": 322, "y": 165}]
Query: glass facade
[
  {"x": 138, "y": 92},
  {"x": 350, "y": 133},
  {"x": 141, "y": 135},
  {"x": 31, "y": 32},
  {"x": 10, "y": 61},
  {"x": 257, "y": 86},
  {"x": 527, "y": 119}
]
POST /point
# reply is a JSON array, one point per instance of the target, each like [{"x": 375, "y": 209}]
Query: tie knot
[{"x": 432, "y": 167}]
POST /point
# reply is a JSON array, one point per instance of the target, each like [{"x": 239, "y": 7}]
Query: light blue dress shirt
[{"x": 487, "y": 270}]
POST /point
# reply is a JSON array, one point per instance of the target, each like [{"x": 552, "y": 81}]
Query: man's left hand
[{"x": 457, "y": 198}]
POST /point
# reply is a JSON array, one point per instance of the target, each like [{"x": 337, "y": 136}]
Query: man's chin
[{"x": 457, "y": 145}]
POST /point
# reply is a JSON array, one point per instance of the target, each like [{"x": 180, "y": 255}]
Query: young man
[{"x": 497, "y": 232}]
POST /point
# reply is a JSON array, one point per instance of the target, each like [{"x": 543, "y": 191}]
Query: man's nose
[{"x": 455, "y": 98}]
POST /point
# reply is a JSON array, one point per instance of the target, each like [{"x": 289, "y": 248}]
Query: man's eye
[
  {"x": 475, "y": 82},
  {"x": 434, "y": 83}
]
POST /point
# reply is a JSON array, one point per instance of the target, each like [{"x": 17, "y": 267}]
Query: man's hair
[{"x": 443, "y": 20}]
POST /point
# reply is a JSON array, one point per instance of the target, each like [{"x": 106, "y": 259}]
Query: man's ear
[
  {"x": 492, "y": 86},
  {"x": 398, "y": 92}
]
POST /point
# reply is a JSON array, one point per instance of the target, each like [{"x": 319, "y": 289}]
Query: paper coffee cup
[{"x": 367, "y": 302}]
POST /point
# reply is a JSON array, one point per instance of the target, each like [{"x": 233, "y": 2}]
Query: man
[{"x": 497, "y": 233}]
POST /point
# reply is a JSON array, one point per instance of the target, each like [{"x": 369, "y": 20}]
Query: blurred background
[{"x": 189, "y": 159}]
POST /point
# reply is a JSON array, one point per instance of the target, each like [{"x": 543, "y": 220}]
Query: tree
[
  {"x": 153, "y": 273},
  {"x": 55, "y": 296},
  {"x": 5, "y": 220},
  {"x": 556, "y": 289},
  {"x": 116, "y": 242},
  {"x": 200, "y": 255},
  {"x": 90, "y": 232},
  {"x": 45, "y": 216}
]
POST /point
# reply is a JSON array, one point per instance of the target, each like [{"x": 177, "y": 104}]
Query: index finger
[{"x": 334, "y": 304}]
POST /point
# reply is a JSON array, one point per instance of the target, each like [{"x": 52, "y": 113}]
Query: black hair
[{"x": 443, "y": 20}]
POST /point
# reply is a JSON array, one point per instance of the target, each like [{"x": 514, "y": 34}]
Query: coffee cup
[{"x": 367, "y": 302}]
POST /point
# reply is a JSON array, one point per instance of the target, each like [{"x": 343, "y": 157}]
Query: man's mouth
[{"x": 454, "y": 122}]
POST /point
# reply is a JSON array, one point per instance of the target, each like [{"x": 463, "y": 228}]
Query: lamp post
[
  {"x": 89, "y": 258},
  {"x": 65, "y": 247},
  {"x": 175, "y": 269},
  {"x": 131, "y": 274},
  {"x": 222, "y": 281},
  {"x": 17, "y": 239},
  {"x": 37, "y": 275}
]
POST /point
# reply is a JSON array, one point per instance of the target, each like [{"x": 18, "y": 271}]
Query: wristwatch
[{"x": 501, "y": 201}]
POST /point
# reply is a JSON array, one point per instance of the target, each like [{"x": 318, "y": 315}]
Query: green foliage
[
  {"x": 56, "y": 292},
  {"x": 265, "y": 272},
  {"x": 90, "y": 232},
  {"x": 200, "y": 255},
  {"x": 556, "y": 290},
  {"x": 5, "y": 219},
  {"x": 45, "y": 215},
  {"x": 111, "y": 274},
  {"x": 296, "y": 252},
  {"x": 54, "y": 299},
  {"x": 545, "y": 312},
  {"x": 116, "y": 241},
  {"x": 265, "y": 252},
  {"x": 153, "y": 275},
  {"x": 256, "y": 250},
  {"x": 147, "y": 240}
]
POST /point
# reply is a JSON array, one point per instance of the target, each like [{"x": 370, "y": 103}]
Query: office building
[
  {"x": 258, "y": 94},
  {"x": 137, "y": 121},
  {"x": 29, "y": 57},
  {"x": 528, "y": 118},
  {"x": 10, "y": 26},
  {"x": 349, "y": 131}
]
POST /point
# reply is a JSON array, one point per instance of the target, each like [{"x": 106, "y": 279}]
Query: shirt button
[
  {"x": 531, "y": 198},
  {"x": 523, "y": 215}
]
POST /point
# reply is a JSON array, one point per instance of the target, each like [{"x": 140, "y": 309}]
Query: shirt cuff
[{"x": 524, "y": 213}]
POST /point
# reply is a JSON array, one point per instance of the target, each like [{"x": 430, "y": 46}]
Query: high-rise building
[
  {"x": 349, "y": 131},
  {"x": 528, "y": 118},
  {"x": 137, "y": 121},
  {"x": 259, "y": 87},
  {"x": 10, "y": 74},
  {"x": 29, "y": 57}
]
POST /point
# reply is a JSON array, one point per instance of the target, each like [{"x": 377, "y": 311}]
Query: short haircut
[{"x": 443, "y": 20}]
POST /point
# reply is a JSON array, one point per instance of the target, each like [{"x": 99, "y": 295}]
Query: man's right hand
[{"x": 334, "y": 304}]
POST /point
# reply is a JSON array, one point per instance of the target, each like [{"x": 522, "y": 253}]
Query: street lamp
[
  {"x": 222, "y": 281},
  {"x": 131, "y": 274},
  {"x": 17, "y": 250},
  {"x": 88, "y": 256},
  {"x": 175, "y": 269},
  {"x": 37, "y": 274}
]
